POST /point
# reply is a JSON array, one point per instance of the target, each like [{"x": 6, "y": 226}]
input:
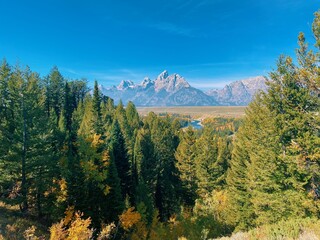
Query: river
[{"x": 196, "y": 124}]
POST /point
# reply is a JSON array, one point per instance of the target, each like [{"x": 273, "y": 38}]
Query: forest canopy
[{"x": 75, "y": 161}]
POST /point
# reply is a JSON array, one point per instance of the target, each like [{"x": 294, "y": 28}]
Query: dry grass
[
  {"x": 197, "y": 112},
  {"x": 14, "y": 225},
  {"x": 289, "y": 229}
]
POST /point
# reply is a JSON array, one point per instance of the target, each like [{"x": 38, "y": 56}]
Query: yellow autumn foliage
[
  {"x": 62, "y": 192},
  {"x": 106, "y": 232},
  {"x": 29, "y": 234},
  {"x": 214, "y": 204},
  {"x": 96, "y": 140},
  {"x": 79, "y": 229},
  {"x": 129, "y": 218},
  {"x": 69, "y": 213},
  {"x": 57, "y": 231}
]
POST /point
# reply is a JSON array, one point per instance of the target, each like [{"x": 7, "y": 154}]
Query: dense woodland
[{"x": 74, "y": 160}]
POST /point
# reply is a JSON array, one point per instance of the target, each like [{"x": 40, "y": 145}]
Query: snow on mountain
[
  {"x": 171, "y": 83},
  {"x": 174, "y": 90},
  {"x": 124, "y": 84},
  {"x": 147, "y": 82},
  {"x": 254, "y": 84},
  {"x": 165, "y": 90},
  {"x": 239, "y": 92}
]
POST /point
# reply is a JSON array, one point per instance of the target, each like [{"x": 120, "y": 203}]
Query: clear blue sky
[{"x": 209, "y": 42}]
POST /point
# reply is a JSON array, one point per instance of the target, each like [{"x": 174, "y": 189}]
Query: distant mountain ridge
[
  {"x": 174, "y": 90},
  {"x": 239, "y": 92}
]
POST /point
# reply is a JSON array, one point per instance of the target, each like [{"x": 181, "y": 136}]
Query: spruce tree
[
  {"x": 30, "y": 140},
  {"x": 96, "y": 109},
  {"x": 119, "y": 153},
  {"x": 114, "y": 204},
  {"x": 186, "y": 164},
  {"x": 71, "y": 169},
  {"x": 132, "y": 116},
  {"x": 54, "y": 91},
  {"x": 274, "y": 168},
  {"x": 86, "y": 128},
  {"x": 168, "y": 186},
  {"x": 146, "y": 165},
  {"x": 8, "y": 166},
  {"x": 212, "y": 158}
]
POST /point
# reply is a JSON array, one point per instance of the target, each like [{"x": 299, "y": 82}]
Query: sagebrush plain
[{"x": 197, "y": 112}]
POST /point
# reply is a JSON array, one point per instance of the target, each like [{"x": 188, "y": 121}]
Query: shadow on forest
[{"x": 14, "y": 224}]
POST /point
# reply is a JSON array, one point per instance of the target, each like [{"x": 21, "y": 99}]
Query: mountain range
[
  {"x": 174, "y": 90},
  {"x": 239, "y": 92}
]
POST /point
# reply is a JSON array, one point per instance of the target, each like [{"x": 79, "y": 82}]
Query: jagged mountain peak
[
  {"x": 146, "y": 82},
  {"x": 236, "y": 84},
  {"x": 170, "y": 83},
  {"x": 239, "y": 92},
  {"x": 124, "y": 84},
  {"x": 254, "y": 83},
  {"x": 174, "y": 90},
  {"x": 163, "y": 75}
]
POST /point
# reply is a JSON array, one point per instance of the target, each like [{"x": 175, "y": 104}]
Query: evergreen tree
[
  {"x": 65, "y": 118},
  {"x": 168, "y": 185},
  {"x": 96, "y": 109},
  {"x": 121, "y": 116},
  {"x": 212, "y": 157},
  {"x": 132, "y": 116},
  {"x": 240, "y": 206},
  {"x": 30, "y": 141},
  {"x": 146, "y": 165},
  {"x": 79, "y": 90},
  {"x": 114, "y": 200},
  {"x": 86, "y": 127},
  {"x": 8, "y": 167},
  {"x": 274, "y": 168},
  {"x": 119, "y": 153},
  {"x": 70, "y": 163},
  {"x": 54, "y": 92},
  {"x": 186, "y": 164}
]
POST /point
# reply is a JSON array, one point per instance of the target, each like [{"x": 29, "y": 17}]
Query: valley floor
[{"x": 197, "y": 111}]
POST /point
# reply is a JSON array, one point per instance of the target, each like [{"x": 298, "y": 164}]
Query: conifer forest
[{"x": 74, "y": 164}]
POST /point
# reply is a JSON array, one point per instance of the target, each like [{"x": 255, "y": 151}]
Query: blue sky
[{"x": 209, "y": 42}]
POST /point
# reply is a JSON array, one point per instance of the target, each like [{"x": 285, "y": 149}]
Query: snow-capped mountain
[
  {"x": 239, "y": 92},
  {"x": 170, "y": 83},
  {"x": 124, "y": 84},
  {"x": 165, "y": 90},
  {"x": 174, "y": 90}
]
